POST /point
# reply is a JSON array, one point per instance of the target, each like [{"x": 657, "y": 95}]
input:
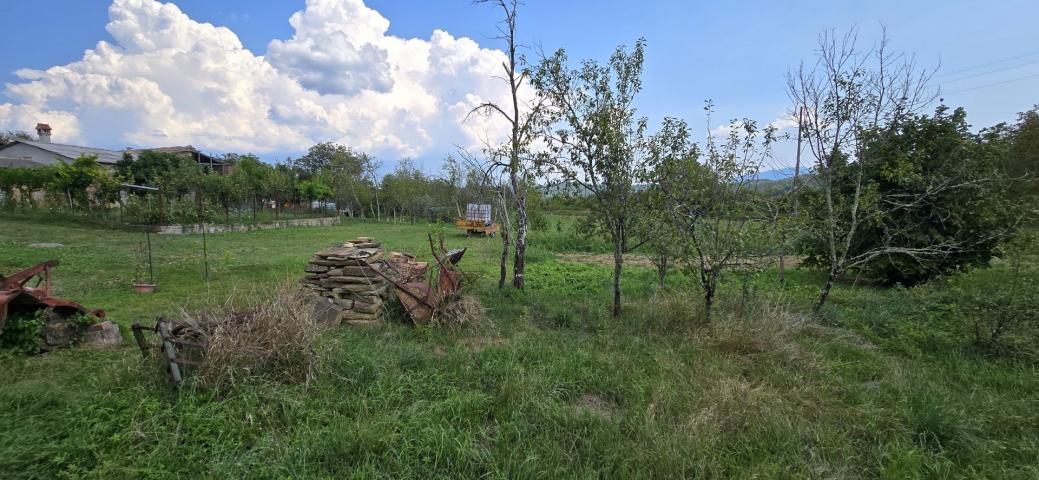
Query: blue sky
[{"x": 735, "y": 53}]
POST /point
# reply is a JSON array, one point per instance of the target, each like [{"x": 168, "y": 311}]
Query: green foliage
[
  {"x": 1002, "y": 311},
  {"x": 23, "y": 334},
  {"x": 17, "y": 184},
  {"x": 1022, "y": 162},
  {"x": 71, "y": 181},
  {"x": 928, "y": 182},
  {"x": 595, "y": 140}
]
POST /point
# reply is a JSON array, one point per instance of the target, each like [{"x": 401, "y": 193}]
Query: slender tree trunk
[
  {"x": 518, "y": 266},
  {"x": 503, "y": 270},
  {"x": 618, "y": 262},
  {"x": 503, "y": 217},
  {"x": 824, "y": 293},
  {"x": 661, "y": 270},
  {"x": 162, "y": 208},
  {"x": 708, "y": 304}
]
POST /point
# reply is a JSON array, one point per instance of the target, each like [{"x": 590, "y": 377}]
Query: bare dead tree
[
  {"x": 521, "y": 124},
  {"x": 846, "y": 92}
]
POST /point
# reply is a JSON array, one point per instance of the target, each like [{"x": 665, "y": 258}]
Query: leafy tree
[
  {"x": 283, "y": 182},
  {"x": 655, "y": 225},
  {"x": 19, "y": 183},
  {"x": 1023, "y": 158},
  {"x": 343, "y": 170},
  {"x": 845, "y": 94},
  {"x": 313, "y": 190},
  {"x": 71, "y": 180},
  {"x": 708, "y": 197},
  {"x": 224, "y": 191},
  {"x": 407, "y": 190},
  {"x": 595, "y": 139},
  {"x": 930, "y": 181},
  {"x": 149, "y": 167},
  {"x": 253, "y": 177}
]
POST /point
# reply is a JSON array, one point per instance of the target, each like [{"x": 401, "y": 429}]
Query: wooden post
[
  {"x": 151, "y": 266},
  {"x": 167, "y": 347},
  {"x": 138, "y": 335}
]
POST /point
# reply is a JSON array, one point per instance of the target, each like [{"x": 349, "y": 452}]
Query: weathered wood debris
[{"x": 347, "y": 280}]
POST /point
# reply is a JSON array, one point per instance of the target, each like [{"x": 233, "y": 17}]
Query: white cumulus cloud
[{"x": 167, "y": 79}]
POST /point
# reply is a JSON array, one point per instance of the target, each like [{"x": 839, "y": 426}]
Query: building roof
[
  {"x": 13, "y": 162},
  {"x": 104, "y": 156},
  {"x": 194, "y": 152}
]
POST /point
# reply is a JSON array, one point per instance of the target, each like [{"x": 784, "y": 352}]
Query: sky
[{"x": 397, "y": 78}]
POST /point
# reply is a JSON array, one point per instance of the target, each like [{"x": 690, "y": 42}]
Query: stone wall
[{"x": 212, "y": 228}]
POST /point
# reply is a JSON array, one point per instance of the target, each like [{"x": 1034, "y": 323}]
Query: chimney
[{"x": 43, "y": 131}]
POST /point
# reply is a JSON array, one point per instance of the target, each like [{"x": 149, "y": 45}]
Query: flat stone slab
[
  {"x": 46, "y": 245},
  {"x": 104, "y": 334}
]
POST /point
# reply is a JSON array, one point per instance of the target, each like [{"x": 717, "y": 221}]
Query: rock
[
  {"x": 325, "y": 311},
  {"x": 347, "y": 276},
  {"x": 373, "y": 280},
  {"x": 350, "y": 316},
  {"x": 344, "y": 303},
  {"x": 372, "y": 308},
  {"x": 58, "y": 332},
  {"x": 356, "y": 288},
  {"x": 46, "y": 245},
  {"x": 104, "y": 334},
  {"x": 361, "y": 323},
  {"x": 353, "y": 272}
]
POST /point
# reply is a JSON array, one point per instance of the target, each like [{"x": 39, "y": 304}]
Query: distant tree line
[{"x": 330, "y": 179}]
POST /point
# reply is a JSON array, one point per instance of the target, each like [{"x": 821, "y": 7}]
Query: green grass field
[{"x": 884, "y": 386}]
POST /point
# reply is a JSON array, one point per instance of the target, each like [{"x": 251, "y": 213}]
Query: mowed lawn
[{"x": 548, "y": 387}]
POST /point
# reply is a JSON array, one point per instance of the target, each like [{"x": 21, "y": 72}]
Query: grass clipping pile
[{"x": 273, "y": 339}]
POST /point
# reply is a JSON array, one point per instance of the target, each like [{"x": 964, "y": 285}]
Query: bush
[
  {"x": 1001, "y": 305},
  {"x": 23, "y": 334}
]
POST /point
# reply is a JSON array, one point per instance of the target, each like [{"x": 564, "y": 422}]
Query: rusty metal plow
[
  {"x": 421, "y": 300},
  {"x": 18, "y": 298}
]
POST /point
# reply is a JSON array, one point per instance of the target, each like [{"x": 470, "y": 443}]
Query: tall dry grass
[{"x": 270, "y": 337}]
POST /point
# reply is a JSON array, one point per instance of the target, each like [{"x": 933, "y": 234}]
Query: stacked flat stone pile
[{"x": 344, "y": 276}]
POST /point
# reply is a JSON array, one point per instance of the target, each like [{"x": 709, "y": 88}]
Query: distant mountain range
[{"x": 779, "y": 174}]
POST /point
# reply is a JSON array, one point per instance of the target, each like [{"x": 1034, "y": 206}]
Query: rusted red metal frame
[
  {"x": 13, "y": 288},
  {"x": 446, "y": 284}
]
